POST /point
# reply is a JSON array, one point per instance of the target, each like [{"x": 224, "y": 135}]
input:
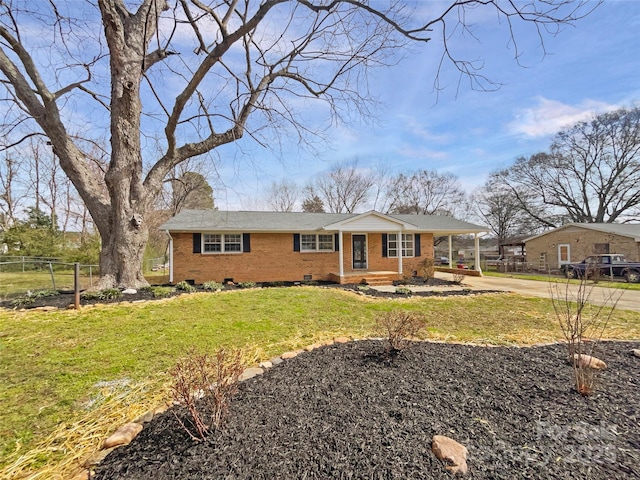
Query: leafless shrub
[
  {"x": 399, "y": 327},
  {"x": 204, "y": 385},
  {"x": 583, "y": 324},
  {"x": 426, "y": 268},
  {"x": 458, "y": 277}
]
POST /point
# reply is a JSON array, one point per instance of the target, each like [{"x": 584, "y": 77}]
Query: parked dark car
[{"x": 607, "y": 265}]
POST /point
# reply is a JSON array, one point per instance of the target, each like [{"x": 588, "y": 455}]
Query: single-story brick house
[
  {"x": 222, "y": 246},
  {"x": 572, "y": 242}
]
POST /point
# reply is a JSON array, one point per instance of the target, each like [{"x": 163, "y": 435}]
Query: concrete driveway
[{"x": 630, "y": 299}]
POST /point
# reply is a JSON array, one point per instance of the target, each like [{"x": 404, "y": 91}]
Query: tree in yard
[
  {"x": 496, "y": 206},
  {"x": 9, "y": 198},
  {"x": 37, "y": 236},
  {"x": 190, "y": 190},
  {"x": 282, "y": 196},
  {"x": 590, "y": 175},
  {"x": 313, "y": 204},
  {"x": 426, "y": 192},
  {"x": 209, "y": 73},
  {"x": 343, "y": 189}
]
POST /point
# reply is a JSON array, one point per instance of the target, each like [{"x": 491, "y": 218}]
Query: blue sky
[{"x": 586, "y": 69}]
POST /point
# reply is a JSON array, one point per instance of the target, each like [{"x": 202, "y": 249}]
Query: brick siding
[
  {"x": 272, "y": 259},
  {"x": 582, "y": 243}
]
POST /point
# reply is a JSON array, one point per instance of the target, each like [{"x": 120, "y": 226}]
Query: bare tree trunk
[{"x": 121, "y": 256}]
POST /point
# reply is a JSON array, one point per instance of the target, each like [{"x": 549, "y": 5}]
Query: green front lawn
[{"x": 51, "y": 363}]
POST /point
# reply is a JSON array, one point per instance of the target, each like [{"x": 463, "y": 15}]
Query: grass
[
  {"x": 622, "y": 285},
  {"x": 14, "y": 284},
  {"x": 54, "y": 365}
]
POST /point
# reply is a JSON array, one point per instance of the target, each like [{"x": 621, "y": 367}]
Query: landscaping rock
[
  {"x": 309, "y": 348},
  {"x": 129, "y": 291},
  {"x": 636, "y": 352},
  {"x": 250, "y": 373},
  {"x": 145, "y": 417},
  {"x": 83, "y": 474},
  {"x": 451, "y": 452},
  {"x": 266, "y": 364},
  {"x": 123, "y": 435},
  {"x": 276, "y": 360},
  {"x": 97, "y": 457},
  {"x": 48, "y": 308},
  {"x": 160, "y": 409},
  {"x": 587, "y": 361},
  {"x": 341, "y": 340},
  {"x": 290, "y": 355}
]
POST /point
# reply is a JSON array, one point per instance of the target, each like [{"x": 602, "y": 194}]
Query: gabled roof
[
  {"x": 623, "y": 229},
  {"x": 215, "y": 220}
]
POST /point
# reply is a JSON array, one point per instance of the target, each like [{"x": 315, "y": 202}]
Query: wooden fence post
[{"x": 76, "y": 285}]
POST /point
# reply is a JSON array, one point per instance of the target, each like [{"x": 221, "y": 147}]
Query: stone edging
[{"x": 127, "y": 432}]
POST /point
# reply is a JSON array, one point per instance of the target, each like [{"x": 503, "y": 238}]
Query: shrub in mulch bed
[
  {"x": 66, "y": 298},
  {"x": 345, "y": 411}
]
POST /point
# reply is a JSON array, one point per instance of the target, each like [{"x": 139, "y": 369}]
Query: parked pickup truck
[{"x": 610, "y": 265}]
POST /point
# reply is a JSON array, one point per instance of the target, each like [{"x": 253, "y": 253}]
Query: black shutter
[
  {"x": 296, "y": 242},
  {"x": 416, "y": 245},
  {"x": 197, "y": 243},
  {"x": 246, "y": 242},
  {"x": 336, "y": 242},
  {"x": 384, "y": 245}
]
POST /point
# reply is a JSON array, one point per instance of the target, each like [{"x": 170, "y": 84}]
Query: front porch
[{"x": 366, "y": 277}]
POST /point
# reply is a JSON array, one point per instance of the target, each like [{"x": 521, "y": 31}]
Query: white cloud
[
  {"x": 550, "y": 116},
  {"x": 418, "y": 153},
  {"x": 415, "y": 127}
]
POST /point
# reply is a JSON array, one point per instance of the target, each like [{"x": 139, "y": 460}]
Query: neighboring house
[
  {"x": 286, "y": 246},
  {"x": 573, "y": 242}
]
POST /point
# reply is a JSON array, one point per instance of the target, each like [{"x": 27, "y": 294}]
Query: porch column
[
  {"x": 341, "y": 256},
  {"x": 477, "y": 253},
  {"x": 450, "y": 252},
  {"x": 400, "y": 252},
  {"x": 170, "y": 258}
]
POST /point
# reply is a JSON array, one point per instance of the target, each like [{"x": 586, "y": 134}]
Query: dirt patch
[{"x": 347, "y": 411}]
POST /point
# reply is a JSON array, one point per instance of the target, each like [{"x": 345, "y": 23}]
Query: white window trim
[
  {"x": 222, "y": 244},
  {"x": 317, "y": 243},
  {"x": 404, "y": 253}
]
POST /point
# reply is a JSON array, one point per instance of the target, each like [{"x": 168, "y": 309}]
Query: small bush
[
  {"x": 204, "y": 385},
  {"x": 22, "y": 301},
  {"x": 403, "y": 291},
  {"x": 106, "y": 294},
  {"x": 31, "y": 297},
  {"x": 580, "y": 320},
  {"x": 212, "y": 286},
  {"x": 161, "y": 292},
  {"x": 458, "y": 278},
  {"x": 426, "y": 268},
  {"x": 247, "y": 284},
  {"x": 399, "y": 326},
  {"x": 362, "y": 288},
  {"x": 185, "y": 286}
]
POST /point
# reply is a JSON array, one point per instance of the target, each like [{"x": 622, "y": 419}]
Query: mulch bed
[
  {"x": 66, "y": 299},
  {"x": 349, "y": 411}
]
